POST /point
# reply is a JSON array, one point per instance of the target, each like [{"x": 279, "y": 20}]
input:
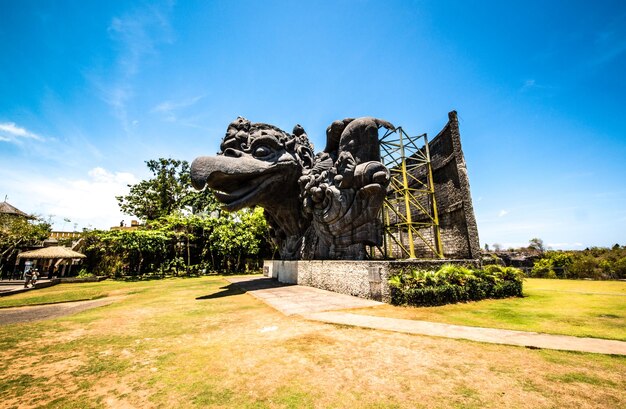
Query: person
[
  {"x": 33, "y": 280},
  {"x": 28, "y": 276}
]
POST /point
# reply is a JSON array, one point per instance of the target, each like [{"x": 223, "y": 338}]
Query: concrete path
[
  {"x": 320, "y": 305},
  {"x": 43, "y": 312},
  {"x": 490, "y": 335},
  {"x": 298, "y": 299},
  {"x": 12, "y": 287}
]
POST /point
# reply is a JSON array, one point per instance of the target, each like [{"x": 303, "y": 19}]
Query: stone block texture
[
  {"x": 364, "y": 279},
  {"x": 458, "y": 229}
]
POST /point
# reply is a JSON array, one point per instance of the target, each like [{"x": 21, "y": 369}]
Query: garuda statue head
[{"x": 319, "y": 206}]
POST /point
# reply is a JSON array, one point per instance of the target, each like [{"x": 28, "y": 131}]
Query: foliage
[
  {"x": 453, "y": 283},
  {"x": 536, "y": 244},
  {"x": 185, "y": 232},
  {"x": 119, "y": 252},
  {"x": 543, "y": 268},
  {"x": 594, "y": 262},
  {"x": 169, "y": 190},
  {"x": 17, "y": 231},
  {"x": 83, "y": 273},
  {"x": 181, "y": 244},
  {"x": 237, "y": 236}
]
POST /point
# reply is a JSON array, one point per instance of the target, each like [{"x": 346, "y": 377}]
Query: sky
[{"x": 91, "y": 90}]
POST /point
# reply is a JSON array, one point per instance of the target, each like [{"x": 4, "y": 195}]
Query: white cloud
[
  {"x": 503, "y": 213},
  {"x": 101, "y": 175},
  {"x": 532, "y": 84},
  {"x": 11, "y": 132},
  {"x": 88, "y": 201},
  {"x": 169, "y": 108},
  {"x": 565, "y": 245},
  {"x": 513, "y": 245},
  {"x": 610, "y": 43},
  {"x": 137, "y": 36}
]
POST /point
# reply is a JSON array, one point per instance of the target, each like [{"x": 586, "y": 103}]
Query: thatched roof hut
[
  {"x": 6, "y": 208},
  {"x": 54, "y": 252}
]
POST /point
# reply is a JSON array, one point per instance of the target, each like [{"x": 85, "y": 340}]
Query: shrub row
[
  {"x": 597, "y": 263},
  {"x": 451, "y": 284}
]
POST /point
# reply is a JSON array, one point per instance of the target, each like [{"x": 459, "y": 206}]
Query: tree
[
  {"x": 167, "y": 191},
  {"x": 497, "y": 247},
  {"x": 18, "y": 231},
  {"x": 111, "y": 252},
  {"x": 177, "y": 243},
  {"x": 172, "y": 239},
  {"x": 536, "y": 244}
]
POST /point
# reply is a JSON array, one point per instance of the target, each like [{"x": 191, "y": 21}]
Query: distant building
[
  {"x": 56, "y": 235},
  {"x": 134, "y": 225}
]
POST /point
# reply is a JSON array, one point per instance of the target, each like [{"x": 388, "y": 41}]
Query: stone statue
[{"x": 322, "y": 206}]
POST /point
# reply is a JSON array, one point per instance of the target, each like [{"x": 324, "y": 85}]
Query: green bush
[
  {"x": 85, "y": 274},
  {"x": 451, "y": 284},
  {"x": 543, "y": 268},
  {"x": 598, "y": 263},
  {"x": 620, "y": 268}
]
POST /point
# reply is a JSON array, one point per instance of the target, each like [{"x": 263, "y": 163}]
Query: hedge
[{"x": 452, "y": 284}]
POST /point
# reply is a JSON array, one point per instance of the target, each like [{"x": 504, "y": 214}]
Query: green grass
[
  {"x": 569, "y": 307},
  {"x": 72, "y": 292},
  {"x": 579, "y": 377},
  {"x": 195, "y": 343}
]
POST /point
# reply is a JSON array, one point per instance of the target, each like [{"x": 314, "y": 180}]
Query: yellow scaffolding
[{"x": 410, "y": 207}]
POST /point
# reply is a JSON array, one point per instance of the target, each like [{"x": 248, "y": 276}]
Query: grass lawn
[
  {"x": 72, "y": 292},
  {"x": 198, "y": 342},
  {"x": 569, "y": 307}
]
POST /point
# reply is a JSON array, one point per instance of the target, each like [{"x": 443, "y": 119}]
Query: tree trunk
[{"x": 188, "y": 257}]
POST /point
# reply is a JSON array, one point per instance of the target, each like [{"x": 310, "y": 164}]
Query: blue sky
[{"x": 90, "y": 90}]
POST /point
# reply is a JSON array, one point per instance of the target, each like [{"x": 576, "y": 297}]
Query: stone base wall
[{"x": 364, "y": 279}]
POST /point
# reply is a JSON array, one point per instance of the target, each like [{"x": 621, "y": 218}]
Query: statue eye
[{"x": 262, "y": 151}]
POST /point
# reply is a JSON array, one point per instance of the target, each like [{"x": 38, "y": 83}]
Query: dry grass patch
[{"x": 164, "y": 347}]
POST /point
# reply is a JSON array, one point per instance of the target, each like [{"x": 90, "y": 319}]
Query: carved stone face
[
  {"x": 333, "y": 200},
  {"x": 259, "y": 165}
]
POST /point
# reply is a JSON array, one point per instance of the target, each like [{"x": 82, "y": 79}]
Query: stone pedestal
[{"x": 365, "y": 279}]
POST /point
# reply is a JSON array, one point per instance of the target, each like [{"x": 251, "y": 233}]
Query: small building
[
  {"x": 13, "y": 264},
  {"x": 56, "y": 260},
  {"x": 134, "y": 225}
]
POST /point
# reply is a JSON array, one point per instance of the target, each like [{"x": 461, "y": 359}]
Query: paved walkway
[
  {"x": 43, "y": 312},
  {"x": 11, "y": 287},
  {"x": 298, "y": 299},
  {"x": 320, "y": 305}
]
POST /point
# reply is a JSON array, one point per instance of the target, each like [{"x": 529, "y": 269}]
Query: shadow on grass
[
  {"x": 243, "y": 287},
  {"x": 181, "y": 274},
  {"x": 227, "y": 291}
]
